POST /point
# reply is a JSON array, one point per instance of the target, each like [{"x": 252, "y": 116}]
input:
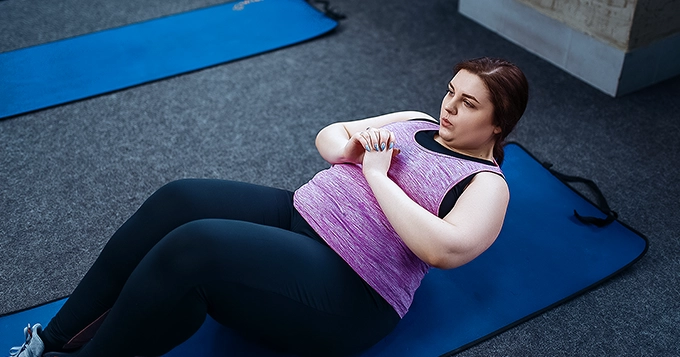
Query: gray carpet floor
[{"x": 70, "y": 175}]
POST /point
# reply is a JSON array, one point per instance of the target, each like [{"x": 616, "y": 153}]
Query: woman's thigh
[
  {"x": 285, "y": 289},
  {"x": 170, "y": 207},
  {"x": 186, "y": 200},
  {"x": 183, "y": 201}
]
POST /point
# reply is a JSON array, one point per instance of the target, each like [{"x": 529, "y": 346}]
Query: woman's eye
[
  {"x": 468, "y": 104},
  {"x": 449, "y": 92}
]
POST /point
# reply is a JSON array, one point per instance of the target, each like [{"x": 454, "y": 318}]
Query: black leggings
[{"x": 238, "y": 252}]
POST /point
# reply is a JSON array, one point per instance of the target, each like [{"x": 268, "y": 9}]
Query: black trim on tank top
[{"x": 425, "y": 138}]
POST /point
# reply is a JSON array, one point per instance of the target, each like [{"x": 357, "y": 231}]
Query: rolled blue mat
[{"x": 59, "y": 72}]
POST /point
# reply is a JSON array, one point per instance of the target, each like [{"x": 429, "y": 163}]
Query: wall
[
  {"x": 617, "y": 46},
  {"x": 654, "y": 20},
  {"x": 607, "y": 20}
]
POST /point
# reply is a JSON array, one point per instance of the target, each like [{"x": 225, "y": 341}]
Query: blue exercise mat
[
  {"x": 543, "y": 257},
  {"x": 54, "y": 73}
]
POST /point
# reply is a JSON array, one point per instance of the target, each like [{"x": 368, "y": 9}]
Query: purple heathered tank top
[{"x": 339, "y": 204}]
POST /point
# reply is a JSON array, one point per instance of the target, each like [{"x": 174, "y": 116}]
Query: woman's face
[{"x": 466, "y": 119}]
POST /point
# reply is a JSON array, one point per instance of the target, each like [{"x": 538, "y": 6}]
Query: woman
[{"x": 327, "y": 270}]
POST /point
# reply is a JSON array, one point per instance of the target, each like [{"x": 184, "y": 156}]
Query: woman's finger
[
  {"x": 380, "y": 136},
  {"x": 386, "y": 137},
  {"x": 391, "y": 141},
  {"x": 383, "y": 139},
  {"x": 365, "y": 139},
  {"x": 369, "y": 134},
  {"x": 377, "y": 139}
]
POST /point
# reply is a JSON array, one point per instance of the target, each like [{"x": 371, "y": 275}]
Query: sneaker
[{"x": 33, "y": 347}]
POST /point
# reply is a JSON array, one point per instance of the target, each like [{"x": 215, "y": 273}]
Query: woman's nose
[{"x": 450, "y": 106}]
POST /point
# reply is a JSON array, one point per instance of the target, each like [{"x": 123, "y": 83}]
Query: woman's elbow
[
  {"x": 456, "y": 257},
  {"x": 448, "y": 261}
]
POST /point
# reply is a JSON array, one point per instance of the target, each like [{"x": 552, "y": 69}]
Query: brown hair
[{"x": 508, "y": 91}]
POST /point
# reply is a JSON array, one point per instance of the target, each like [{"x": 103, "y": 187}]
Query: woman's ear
[{"x": 497, "y": 130}]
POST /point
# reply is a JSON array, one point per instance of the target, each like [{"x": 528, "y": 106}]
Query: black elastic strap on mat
[
  {"x": 601, "y": 201},
  {"x": 328, "y": 10}
]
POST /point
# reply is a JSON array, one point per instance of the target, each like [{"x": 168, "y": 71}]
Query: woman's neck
[{"x": 485, "y": 152}]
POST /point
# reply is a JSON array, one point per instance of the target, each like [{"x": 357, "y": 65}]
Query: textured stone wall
[
  {"x": 617, "y": 46},
  {"x": 607, "y": 20},
  {"x": 624, "y": 24},
  {"x": 654, "y": 20}
]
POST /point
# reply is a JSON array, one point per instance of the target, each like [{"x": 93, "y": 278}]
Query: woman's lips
[{"x": 445, "y": 122}]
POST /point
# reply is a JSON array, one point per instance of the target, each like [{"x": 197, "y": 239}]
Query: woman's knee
[
  {"x": 174, "y": 203},
  {"x": 190, "y": 249},
  {"x": 179, "y": 192}
]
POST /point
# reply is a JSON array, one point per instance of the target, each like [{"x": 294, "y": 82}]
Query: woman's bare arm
[
  {"x": 467, "y": 231},
  {"x": 340, "y": 142}
]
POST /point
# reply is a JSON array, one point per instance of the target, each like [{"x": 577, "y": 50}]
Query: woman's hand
[
  {"x": 341, "y": 142},
  {"x": 354, "y": 149},
  {"x": 378, "y": 146}
]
